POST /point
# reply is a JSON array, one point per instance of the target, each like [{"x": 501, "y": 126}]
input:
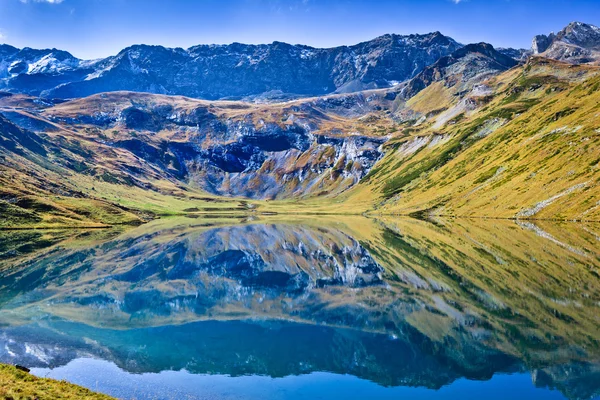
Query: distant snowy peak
[
  {"x": 577, "y": 43},
  {"x": 242, "y": 71},
  {"x": 15, "y": 61}
]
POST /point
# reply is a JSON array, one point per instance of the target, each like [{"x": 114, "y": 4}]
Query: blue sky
[{"x": 98, "y": 28}]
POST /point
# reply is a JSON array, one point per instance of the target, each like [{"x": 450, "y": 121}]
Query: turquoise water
[{"x": 203, "y": 309}]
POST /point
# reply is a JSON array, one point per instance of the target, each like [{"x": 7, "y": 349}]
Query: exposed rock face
[
  {"x": 464, "y": 68},
  {"x": 577, "y": 43},
  {"x": 281, "y": 163},
  {"x": 225, "y": 71},
  {"x": 541, "y": 43},
  {"x": 517, "y": 54},
  {"x": 267, "y": 161},
  {"x": 261, "y": 153}
]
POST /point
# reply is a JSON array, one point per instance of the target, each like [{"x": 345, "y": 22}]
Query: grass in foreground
[{"x": 19, "y": 385}]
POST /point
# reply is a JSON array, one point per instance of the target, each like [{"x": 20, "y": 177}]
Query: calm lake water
[{"x": 298, "y": 307}]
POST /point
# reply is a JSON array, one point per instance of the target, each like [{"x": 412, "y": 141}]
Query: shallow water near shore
[{"x": 308, "y": 307}]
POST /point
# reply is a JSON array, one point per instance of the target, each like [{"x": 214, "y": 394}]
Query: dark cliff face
[{"x": 225, "y": 71}]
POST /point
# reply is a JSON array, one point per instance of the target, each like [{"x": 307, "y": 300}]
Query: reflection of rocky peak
[
  {"x": 271, "y": 259},
  {"x": 219, "y": 268},
  {"x": 253, "y": 347},
  {"x": 441, "y": 291},
  {"x": 577, "y": 381}
]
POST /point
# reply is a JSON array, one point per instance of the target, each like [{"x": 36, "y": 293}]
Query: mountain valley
[{"x": 468, "y": 131}]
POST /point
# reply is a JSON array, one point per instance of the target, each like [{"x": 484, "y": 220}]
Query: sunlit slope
[
  {"x": 63, "y": 178},
  {"x": 524, "y": 145}
]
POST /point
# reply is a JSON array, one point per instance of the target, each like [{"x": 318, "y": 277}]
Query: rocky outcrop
[
  {"x": 288, "y": 155},
  {"x": 540, "y": 43},
  {"x": 517, "y": 54},
  {"x": 577, "y": 43},
  {"x": 462, "y": 69}
]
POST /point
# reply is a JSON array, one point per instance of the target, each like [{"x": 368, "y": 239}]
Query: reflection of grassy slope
[
  {"x": 532, "y": 289},
  {"x": 528, "y": 290}
]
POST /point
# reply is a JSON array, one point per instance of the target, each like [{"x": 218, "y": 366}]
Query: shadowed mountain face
[{"x": 398, "y": 302}]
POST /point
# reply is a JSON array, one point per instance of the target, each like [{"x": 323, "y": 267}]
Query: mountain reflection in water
[{"x": 397, "y": 302}]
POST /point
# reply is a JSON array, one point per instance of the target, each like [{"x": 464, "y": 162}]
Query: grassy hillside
[
  {"x": 529, "y": 147},
  {"x": 16, "y": 384}
]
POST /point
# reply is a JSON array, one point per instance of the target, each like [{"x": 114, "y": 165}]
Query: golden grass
[{"x": 19, "y": 385}]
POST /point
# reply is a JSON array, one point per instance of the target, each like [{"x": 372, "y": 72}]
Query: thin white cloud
[{"x": 42, "y": 1}]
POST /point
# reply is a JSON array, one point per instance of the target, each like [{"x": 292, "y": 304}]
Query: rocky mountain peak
[
  {"x": 577, "y": 43},
  {"x": 581, "y": 34},
  {"x": 465, "y": 67},
  {"x": 540, "y": 43}
]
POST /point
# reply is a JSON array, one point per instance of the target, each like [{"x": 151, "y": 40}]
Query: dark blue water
[
  {"x": 105, "y": 376},
  {"x": 357, "y": 309}
]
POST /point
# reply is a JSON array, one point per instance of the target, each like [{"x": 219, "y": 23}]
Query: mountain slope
[
  {"x": 529, "y": 147},
  {"x": 462, "y": 69},
  {"x": 59, "y": 177},
  {"x": 522, "y": 144}
]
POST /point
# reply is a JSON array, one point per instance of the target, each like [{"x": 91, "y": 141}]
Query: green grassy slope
[{"x": 530, "y": 148}]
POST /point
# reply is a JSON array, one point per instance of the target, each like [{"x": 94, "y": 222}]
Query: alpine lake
[{"x": 298, "y": 307}]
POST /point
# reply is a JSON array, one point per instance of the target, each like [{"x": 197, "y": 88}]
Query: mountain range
[
  {"x": 225, "y": 72},
  {"x": 416, "y": 124}
]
